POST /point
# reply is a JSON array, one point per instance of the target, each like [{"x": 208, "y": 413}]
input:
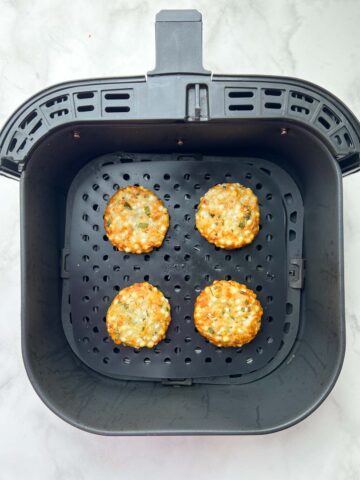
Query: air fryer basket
[{"x": 179, "y": 131}]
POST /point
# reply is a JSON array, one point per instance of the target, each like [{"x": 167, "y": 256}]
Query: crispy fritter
[
  {"x": 228, "y": 314},
  {"x": 138, "y": 316},
  {"x": 136, "y": 220},
  {"x": 228, "y": 215}
]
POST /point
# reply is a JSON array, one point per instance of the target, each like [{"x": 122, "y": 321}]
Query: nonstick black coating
[{"x": 95, "y": 271}]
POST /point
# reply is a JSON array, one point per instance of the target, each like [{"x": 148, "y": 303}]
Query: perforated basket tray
[{"x": 94, "y": 271}]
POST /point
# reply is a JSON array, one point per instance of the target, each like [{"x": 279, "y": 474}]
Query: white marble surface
[{"x": 45, "y": 42}]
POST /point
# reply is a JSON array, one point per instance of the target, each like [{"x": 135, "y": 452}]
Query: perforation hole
[
  {"x": 228, "y": 360},
  {"x": 288, "y": 198},
  {"x": 286, "y": 327},
  {"x": 167, "y": 278},
  {"x": 187, "y": 278},
  {"x": 187, "y": 361},
  {"x": 269, "y": 237},
  {"x": 248, "y": 176},
  {"x": 259, "y": 350},
  {"x": 96, "y": 248},
  {"x": 269, "y": 196},
  {"x": 270, "y": 340},
  {"x": 248, "y": 258},
  {"x": 258, "y": 186},
  {"x": 207, "y": 176},
  {"x": 96, "y": 228},
  {"x": 126, "y": 177},
  {"x": 177, "y": 187},
  {"x": 147, "y": 361},
  {"x": 177, "y": 248},
  {"x": 269, "y": 217},
  {"x": 269, "y": 299},
  {"x": 167, "y": 361},
  {"x": 292, "y": 235},
  {"x": 269, "y": 258},
  {"x": 167, "y": 197},
  {"x": 228, "y": 258},
  {"x": 289, "y": 308},
  {"x": 293, "y": 217},
  {"x": 146, "y": 278},
  {"x": 187, "y": 319},
  {"x": 259, "y": 288},
  {"x": 177, "y": 350},
  {"x": 95, "y": 207},
  {"x": 187, "y": 176},
  {"x": 156, "y": 187},
  {"x": 259, "y": 247},
  {"x": 187, "y": 339},
  {"x": 187, "y": 257},
  {"x": 208, "y": 360},
  {"x": 248, "y": 278},
  {"x": 177, "y": 288}
]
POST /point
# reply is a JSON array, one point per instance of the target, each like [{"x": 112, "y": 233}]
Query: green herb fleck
[
  {"x": 127, "y": 205},
  {"x": 242, "y": 224},
  {"x": 108, "y": 223},
  {"x": 142, "y": 225},
  {"x": 210, "y": 330},
  {"x": 147, "y": 211}
]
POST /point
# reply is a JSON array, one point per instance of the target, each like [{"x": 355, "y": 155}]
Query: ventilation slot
[
  {"x": 116, "y": 102},
  {"x": 273, "y": 92},
  {"x": 56, "y": 101},
  {"x": 299, "y": 109},
  {"x": 302, "y": 97},
  {"x": 239, "y": 100},
  {"x": 59, "y": 113},
  {"x": 342, "y": 139},
  {"x": 28, "y": 119},
  {"x": 301, "y": 104},
  {"x": 117, "y": 96},
  {"x": 328, "y": 119},
  {"x": 85, "y": 95},
  {"x": 241, "y": 107},
  {"x": 273, "y": 106},
  {"x": 241, "y": 94},
  {"x": 85, "y": 108},
  {"x": 56, "y": 108},
  {"x": 85, "y": 102}
]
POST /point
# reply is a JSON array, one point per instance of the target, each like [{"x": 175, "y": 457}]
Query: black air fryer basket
[{"x": 179, "y": 131}]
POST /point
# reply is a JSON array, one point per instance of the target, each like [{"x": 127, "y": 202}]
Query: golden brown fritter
[
  {"x": 228, "y": 215},
  {"x": 138, "y": 316},
  {"x": 136, "y": 220},
  {"x": 228, "y": 314}
]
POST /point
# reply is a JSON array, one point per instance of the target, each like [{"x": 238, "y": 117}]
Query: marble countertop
[{"x": 43, "y": 43}]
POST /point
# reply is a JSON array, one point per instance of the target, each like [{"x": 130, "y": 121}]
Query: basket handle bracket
[{"x": 178, "y": 38}]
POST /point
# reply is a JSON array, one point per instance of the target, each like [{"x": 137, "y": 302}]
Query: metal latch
[
  {"x": 187, "y": 382},
  {"x": 296, "y": 272}
]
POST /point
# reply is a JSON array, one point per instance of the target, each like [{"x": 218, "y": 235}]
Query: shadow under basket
[{"x": 178, "y": 132}]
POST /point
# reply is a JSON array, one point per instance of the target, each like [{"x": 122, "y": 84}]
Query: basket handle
[{"x": 178, "y": 38}]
